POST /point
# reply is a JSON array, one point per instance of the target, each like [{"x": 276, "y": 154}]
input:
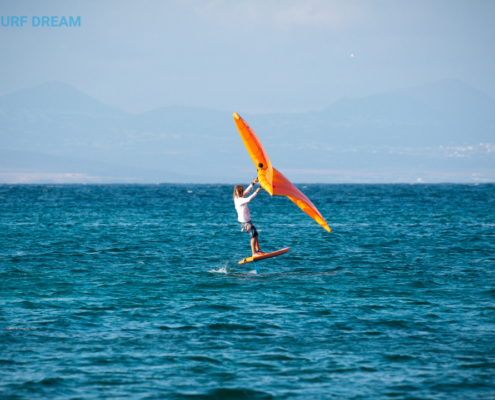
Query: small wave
[
  {"x": 398, "y": 357},
  {"x": 230, "y": 327},
  {"x": 178, "y": 327},
  {"x": 483, "y": 364},
  {"x": 20, "y": 329},
  {"x": 228, "y": 393},
  {"x": 204, "y": 359}
]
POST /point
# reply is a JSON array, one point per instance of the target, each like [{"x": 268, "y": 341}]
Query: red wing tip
[{"x": 236, "y": 116}]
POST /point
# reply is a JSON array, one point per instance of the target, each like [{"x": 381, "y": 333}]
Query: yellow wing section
[
  {"x": 273, "y": 181},
  {"x": 257, "y": 153}
]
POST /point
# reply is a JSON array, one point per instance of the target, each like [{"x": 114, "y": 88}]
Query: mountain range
[{"x": 440, "y": 132}]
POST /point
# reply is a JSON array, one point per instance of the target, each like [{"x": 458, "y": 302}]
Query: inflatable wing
[
  {"x": 283, "y": 187},
  {"x": 257, "y": 153},
  {"x": 273, "y": 181}
]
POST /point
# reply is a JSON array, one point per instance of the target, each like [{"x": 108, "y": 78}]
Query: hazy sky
[{"x": 248, "y": 56}]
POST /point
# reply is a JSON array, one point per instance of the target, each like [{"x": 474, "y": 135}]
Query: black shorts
[{"x": 249, "y": 228}]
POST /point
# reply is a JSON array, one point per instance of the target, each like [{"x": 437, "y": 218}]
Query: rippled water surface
[{"x": 134, "y": 292}]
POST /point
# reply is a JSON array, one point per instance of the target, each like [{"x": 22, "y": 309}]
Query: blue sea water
[{"x": 130, "y": 291}]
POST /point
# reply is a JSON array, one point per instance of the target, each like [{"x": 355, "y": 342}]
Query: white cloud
[{"x": 280, "y": 14}]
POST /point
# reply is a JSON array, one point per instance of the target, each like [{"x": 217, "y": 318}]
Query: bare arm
[
  {"x": 250, "y": 187},
  {"x": 247, "y": 199}
]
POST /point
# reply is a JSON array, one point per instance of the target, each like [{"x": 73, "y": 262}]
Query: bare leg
[
  {"x": 253, "y": 245},
  {"x": 257, "y": 245}
]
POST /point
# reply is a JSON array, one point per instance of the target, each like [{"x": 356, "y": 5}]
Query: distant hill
[
  {"x": 58, "y": 97},
  {"x": 443, "y": 131},
  {"x": 30, "y": 167},
  {"x": 454, "y": 98}
]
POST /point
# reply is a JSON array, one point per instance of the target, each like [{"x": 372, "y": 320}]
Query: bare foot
[{"x": 260, "y": 253}]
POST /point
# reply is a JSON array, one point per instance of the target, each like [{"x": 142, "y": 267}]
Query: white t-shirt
[{"x": 241, "y": 205}]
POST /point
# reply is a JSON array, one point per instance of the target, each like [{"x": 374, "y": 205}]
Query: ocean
[{"x": 134, "y": 292}]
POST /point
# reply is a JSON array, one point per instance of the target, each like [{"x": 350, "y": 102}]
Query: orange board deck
[{"x": 269, "y": 255}]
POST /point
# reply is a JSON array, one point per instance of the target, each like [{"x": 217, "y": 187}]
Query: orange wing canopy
[
  {"x": 257, "y": 153},
  {"x": 272, "y": 180}
]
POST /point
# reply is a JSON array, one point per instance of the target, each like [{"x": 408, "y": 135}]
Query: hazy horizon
[{"x": 441, "y": 132}]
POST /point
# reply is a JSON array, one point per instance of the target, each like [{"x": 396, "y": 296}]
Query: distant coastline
[{"x": 440, "y": 132}]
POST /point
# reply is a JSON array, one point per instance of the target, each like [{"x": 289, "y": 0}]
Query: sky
[{"x": 248, "y": 56}]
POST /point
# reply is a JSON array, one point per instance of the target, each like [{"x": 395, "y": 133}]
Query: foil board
[{"x": 264, "y": 257}]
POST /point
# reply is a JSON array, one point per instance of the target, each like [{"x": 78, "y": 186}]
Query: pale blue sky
[{"x": 248, "y": 56}]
